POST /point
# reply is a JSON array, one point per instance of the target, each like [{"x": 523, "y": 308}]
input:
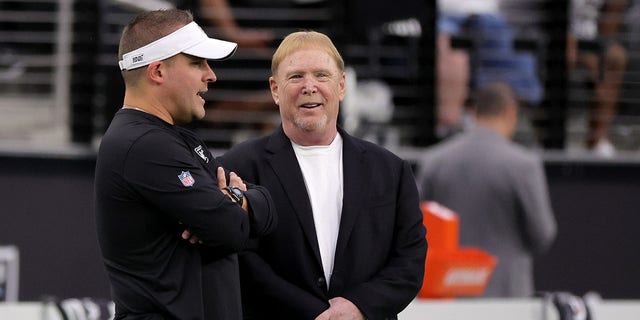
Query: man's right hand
[
  {"x": 341, "y": 309},
  {"x": 234, "y": 181}
]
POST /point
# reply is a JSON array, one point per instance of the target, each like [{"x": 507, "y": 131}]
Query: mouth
[
  {"x": 200, "y": 94},
  {"x": 310, "y": 105}
]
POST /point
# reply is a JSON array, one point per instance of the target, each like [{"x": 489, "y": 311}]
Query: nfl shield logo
[{"x": 186, "y": 179}]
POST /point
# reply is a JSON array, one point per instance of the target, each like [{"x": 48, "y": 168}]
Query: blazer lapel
[
  {"x": 285, "y": 165},
  {"x": 355, "y": 180}
]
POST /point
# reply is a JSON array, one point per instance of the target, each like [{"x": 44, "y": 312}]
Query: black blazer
[{"x": 381, "y": 249}]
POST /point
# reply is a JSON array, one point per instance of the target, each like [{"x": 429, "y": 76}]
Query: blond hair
[{"x": 305, "y": 40}]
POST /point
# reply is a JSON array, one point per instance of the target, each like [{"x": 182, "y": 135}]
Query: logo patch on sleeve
[
  {"x": 200, "y": 151},
  {"x": 186, "y": 178}
]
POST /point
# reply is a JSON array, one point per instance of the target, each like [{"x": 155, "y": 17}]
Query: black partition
[
  {"x": 47, "y": 211},
  {"x": 597, "y": 205}
]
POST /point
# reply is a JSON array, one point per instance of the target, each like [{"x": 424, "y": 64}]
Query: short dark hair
[
  {"x": 150, "y": 26},
  {"x": 493, "y": 99}
]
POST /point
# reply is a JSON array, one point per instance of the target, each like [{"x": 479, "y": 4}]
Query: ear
[
  {"x": 512, "y": 110},
  {"x": 273, "y": 85},
  {"x": 343, "y": 85},
  {"x": 511, "y": 114},
  {"x": 155, "y": 71}
]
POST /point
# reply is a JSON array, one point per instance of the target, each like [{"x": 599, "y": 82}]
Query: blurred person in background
[
  {"x": 498, "y": 189},
  {"x": 599, "y": 22},
  {"x": 219, "y": 14},
  {"x": 453, "y": 65},
  {"x": 488, "y": 56}
]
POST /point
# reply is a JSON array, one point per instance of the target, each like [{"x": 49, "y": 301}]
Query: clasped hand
[
  {"x": 234, "y": 181},
  {"x": 341, "y": 309}
]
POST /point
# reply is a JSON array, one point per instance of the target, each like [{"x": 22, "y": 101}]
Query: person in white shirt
[{"x": 350, "y": 243}]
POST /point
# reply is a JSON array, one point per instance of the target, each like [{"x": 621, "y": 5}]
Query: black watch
[{"x": 235, "y": 193}]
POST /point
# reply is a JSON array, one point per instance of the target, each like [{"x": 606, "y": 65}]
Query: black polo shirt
[{"x": 152, "y": 181}]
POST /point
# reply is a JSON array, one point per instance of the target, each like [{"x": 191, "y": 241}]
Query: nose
[
  {"x": 309, "y": 88},
  {"x": 210, "y": 76}
]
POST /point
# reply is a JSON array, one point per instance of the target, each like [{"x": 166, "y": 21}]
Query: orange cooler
[{"x": 451, "y": 271}]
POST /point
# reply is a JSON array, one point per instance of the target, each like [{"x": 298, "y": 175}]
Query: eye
[
  {"x": 201, "y": 63},
  {"x": 323, "y": 75}
]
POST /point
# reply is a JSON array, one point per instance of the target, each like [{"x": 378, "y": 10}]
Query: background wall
[
  {"x": 597, "y": 205},
  {"x": 47, "y": 211}
]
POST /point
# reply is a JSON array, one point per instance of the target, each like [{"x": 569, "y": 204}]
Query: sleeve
[
  {"x": 399, "y": 281},
  {"x": 539, "y": 221},
  {"x": 262, "y": 214},
  {"x": 161, "y": 170}
]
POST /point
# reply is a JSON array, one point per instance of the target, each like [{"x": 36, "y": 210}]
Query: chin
[
  {"x": 199, "y": 113},
  {"x": 311, "y": 125}
]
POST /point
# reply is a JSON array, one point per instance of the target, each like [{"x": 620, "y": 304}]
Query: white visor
[{"x": 190, "y": 39}]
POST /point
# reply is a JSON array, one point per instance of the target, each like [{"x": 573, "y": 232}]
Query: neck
[
  {"x": 310, "y": 138},
  {"x": 496, "y": 125},
  {"x": 124, "y": 106},
  {"x": 148, "y": 106}
]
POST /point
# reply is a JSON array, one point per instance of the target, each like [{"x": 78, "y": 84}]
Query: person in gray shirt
[{"x": 498, "y": 189}]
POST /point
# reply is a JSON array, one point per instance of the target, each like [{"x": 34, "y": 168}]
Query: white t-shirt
[{"x": 322, "y": 171}]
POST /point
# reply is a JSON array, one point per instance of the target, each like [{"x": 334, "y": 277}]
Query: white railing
[
  {"x": 472, "y": 309},
  {"x": 35, "y": 59}
]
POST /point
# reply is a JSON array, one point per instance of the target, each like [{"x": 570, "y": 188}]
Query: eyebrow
[{"x": 323, "y": 70}]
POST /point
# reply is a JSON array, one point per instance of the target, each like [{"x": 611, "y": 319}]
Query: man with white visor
[{"x": 169, "y": 218}]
